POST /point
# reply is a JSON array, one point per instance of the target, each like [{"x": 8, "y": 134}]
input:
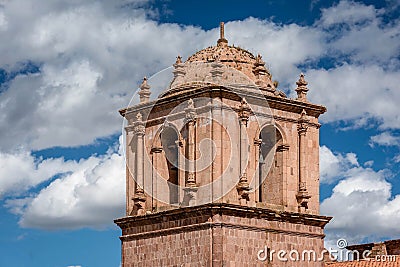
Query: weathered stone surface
[{"x": 221, "y": 165}]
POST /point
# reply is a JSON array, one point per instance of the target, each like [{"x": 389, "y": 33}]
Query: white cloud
[
  {"x": 361, "y": 205},
  {"x": 90, "y": 196},
  {"x": 22, "y": 171},
  {"x": 90, "y": 64},
  {"x": 348, "y": 12},
  {"x": 361, "y": 86},
  {"x": 358, "y": 31},
  {"x": 92, "y": 56},
  {"x": 369, "y": 163},
  {"x": 333, "y": 167},
  {"x": 354, "y": 92},
  {"x": 384, "y": 139},
  {"x": 283, "y": 47}
]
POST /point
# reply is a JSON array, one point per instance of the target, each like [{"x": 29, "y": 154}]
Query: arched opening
[
  {"x": 169, "y": 142},
  {"x": 270, "y": 166}
]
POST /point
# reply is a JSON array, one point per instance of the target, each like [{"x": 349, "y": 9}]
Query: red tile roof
[{"x": 365, "y": 263}]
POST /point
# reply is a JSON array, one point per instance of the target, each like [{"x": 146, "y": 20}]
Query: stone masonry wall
[{"x": 219, "y": 236}]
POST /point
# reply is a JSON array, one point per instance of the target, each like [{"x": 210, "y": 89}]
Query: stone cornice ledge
[
  {"x": 209, "y": 225},
  {"x": 273, "y": 101},
  {"x": 224, "y": 209}
]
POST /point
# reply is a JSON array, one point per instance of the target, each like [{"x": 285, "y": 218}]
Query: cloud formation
[
  {"x": 333, "y": 167},
  {"x": 385, "y": 139},
  {"x": 362, "y": 204},
  {"x": 91, "y": 194},
  {"x": 90, "y": 57},
  {"x": 22, "y": 171}
]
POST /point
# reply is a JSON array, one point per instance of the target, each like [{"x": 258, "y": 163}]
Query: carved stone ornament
[
  {"x": 144, "y": 93},
  {"x": 302, "y": 124},
  {"x": 190, "y": 112},
  {"x": 302, "y": 89},
  {"x": 244, "y": 110},
  {"x": 139, "y": 126}
]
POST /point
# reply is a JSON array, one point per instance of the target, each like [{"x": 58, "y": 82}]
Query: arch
[
  {"x": 165, "y": 155},
  {"x": 169, "y": 138},
  {"x": 270, "y": 165},
  {"x": 157, "y": 140},
  {"x": 277, "y": 127}
]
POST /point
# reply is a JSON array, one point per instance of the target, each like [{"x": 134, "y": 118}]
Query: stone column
[
  {"x": 155, "y": 154},
  {"x": 257, "y": 144},
  {"x": 190, "y": 189},
  {"x": 130, "y": 168},
  {"x": 243, "y": 186},
  {"x": 302, "y": 195},
  {"x": 139, "y": 198},
  {"x": 284, "y": 148}
]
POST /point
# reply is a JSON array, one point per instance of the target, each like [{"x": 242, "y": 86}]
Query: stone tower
[{"x": 222, "y": 168}]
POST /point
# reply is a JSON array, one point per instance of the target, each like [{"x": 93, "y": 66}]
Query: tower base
[{"x": 221, "y": 235}]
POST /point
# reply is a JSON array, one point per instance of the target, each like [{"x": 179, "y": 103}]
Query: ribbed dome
[
  {"x": 225, "y": 53},
  {"x": 230, "y": 56},
  {"x": 236, "y": 66}
]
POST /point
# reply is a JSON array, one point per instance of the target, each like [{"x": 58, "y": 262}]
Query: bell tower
[{"x": 222, "y": 165}]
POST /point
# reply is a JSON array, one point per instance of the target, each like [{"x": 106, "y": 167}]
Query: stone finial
[
  {"x": 302, "y": 88},
  {"x": 222, "y": 41},
  {"x": 179, "y": 72},
  {"x": 259, "y": 60},
  {"x": 263, "y": 77},
  {"x": 144, "y": 92},
  {"x": 259, "y": 67}
]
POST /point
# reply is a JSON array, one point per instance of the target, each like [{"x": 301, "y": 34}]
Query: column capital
[
  {"x": 191, "y": 180},
  {"x": 244, "y": 111},
  {"x": 190, "y": 111},
  {"x": 257, "y": 142},
  {"x": 302, "y": 123},
  {"x": 138, "y": 126},
  {"x": 139, "y": 201},
  {"x": 283, "y": 147},
  {"x": 303, "y": 196},
  {"x": 156, "y": 150}
]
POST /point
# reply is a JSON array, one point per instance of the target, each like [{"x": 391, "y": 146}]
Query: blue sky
[{"x": 66, "y": 67}]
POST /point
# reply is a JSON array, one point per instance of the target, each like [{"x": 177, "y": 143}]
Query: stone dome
[
  {"x": 234, "y": 57},
  {"x": 232, "y": 64}
]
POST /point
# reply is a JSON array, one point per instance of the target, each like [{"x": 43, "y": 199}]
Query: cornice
[
  {"x": 274, "y": 102},
  {"x": 211, "y": 209}
]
